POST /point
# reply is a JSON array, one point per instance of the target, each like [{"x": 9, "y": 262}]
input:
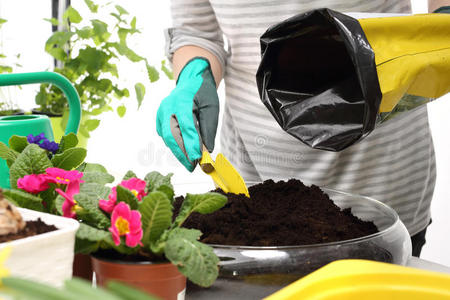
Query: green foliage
[
  {"x": 161, "y": 235},
  {"x": 156, "y": 212},
  {"x": 202, "y": 203},
  {"x": 125, "y": 195},
  {"x": 158, "y": 182},
  {"x": 32, "y": 160},
  {"x": 88, "y": 51},
  {"x": 195, "y": 260},
  {"x": 25, "y": 159},
  {"x": 75, "y": 288},
  {"x": 24, "y": 199}
]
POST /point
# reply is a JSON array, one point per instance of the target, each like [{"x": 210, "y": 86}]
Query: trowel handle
[
  {"x": 206, "y": 162},
  {"x": 56, "y": 79}
]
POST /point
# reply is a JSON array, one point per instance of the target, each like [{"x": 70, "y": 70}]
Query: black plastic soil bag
[{"x": 318, "y": 78}]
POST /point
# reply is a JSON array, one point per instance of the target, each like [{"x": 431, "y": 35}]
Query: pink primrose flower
[
  {"x": 69, "y": 206},
  {"x": 135, "y": 185},
  {"x": 126, "y": 222},
  {"x": 34, "y": 183},
  {"x": 108, "y": 205},
  {"x": 70, "y": 178}
]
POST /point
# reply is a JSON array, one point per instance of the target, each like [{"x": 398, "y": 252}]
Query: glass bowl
[{"x": 270, "y": 268}]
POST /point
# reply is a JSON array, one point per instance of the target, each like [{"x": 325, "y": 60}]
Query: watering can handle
[{"x": 54, "y": 78}]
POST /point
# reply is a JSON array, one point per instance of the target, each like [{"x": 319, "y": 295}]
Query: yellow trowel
[{"x": 222, "y": 172}]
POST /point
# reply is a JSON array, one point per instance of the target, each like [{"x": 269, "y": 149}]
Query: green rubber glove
[{"x": 188, "y": 117}]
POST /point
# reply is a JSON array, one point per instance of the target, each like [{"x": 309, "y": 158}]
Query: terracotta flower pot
[
  {"x": 161, "y": 279},
  {"x": 82, "y": 266}
]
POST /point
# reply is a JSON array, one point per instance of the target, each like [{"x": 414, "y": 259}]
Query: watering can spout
[{"x": 36, "y": 124}]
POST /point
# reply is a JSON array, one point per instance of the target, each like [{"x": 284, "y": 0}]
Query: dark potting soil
[
  {"x": 279, "y": 213},
  {"x": 31, "y": 228}
]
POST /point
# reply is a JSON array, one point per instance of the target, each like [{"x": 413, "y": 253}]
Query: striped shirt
[{"x": 394, "y": 164}]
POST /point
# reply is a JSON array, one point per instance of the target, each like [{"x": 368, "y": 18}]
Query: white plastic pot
[{"x": 46, "y": 257}]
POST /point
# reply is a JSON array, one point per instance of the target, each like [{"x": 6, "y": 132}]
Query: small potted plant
[
  {"x": 40, "y": 169},
  {"x": 134, "y": 237},
  {"x": 24, "y": 231},
  {"x": 87, "y": 52}
]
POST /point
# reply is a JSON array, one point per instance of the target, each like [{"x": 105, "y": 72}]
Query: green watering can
[{"x": 36, "y": 124}]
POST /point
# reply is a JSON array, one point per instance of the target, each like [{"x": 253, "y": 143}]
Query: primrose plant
[
  {"x": 133, "y": 218},
  {"x": 136, "y": 218}
]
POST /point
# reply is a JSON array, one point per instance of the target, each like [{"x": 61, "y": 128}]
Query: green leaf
[
  {"x": 155, "y": 179},
  {"x": 95, "y": 191},
  {"x": 89, "y": 233},
  {"x": 73, "y": 15},
  {"x": 85, "y": 290},
  {"x": 8, "y": 154},
  {"x": 195, "y": 260},
  {"x": 18, "y": 143},
  {"x": 53, "y": 21},
  {"x": 68, "y": 141},
  {"x": 36, "y": 290},
  {"x": 140, "y": 93},
  {"x": 3, "y": 21},
  {"x": 69, "y": 159},
  {"x": 100, "y": 31},
  {"x": 121, "y": 10},
  {"x": 88, "y": 238},
  {"x": 92, "y": 124},
  {"x": 121, "y": 110},
  {"x": 168, "y": 190},
  {"x": 91, "y": 213},
  {"x": 24, "y": 199},
  {"x": 125, "y": 195},
  {"x": 85, "y": 33},
  {"x": 130, "y": 174},
  {"x": 57, "y": 53},
  {"x": 32, "y": 160},
  {"x": 166, "y": 70},
  {"x": 94, "y": 60},
  {"x": 127, "y": 292},
  {"x": 92, "y": 7},
  {"x": 59, "y": 200},
  {"x": 153, "y": 74},
  {"x": 156, "y": 211},
  {"x": 91, "y": 167},
  {"x": 133, "y": 23},
  {"x": 201, "y": 203},
  {"x": 97, "y": 177},
  {"x": 60, "y": 39}
]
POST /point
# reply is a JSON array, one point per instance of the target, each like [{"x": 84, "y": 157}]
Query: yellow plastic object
[
  {"x": 223, "y": 173},
  {"x": 355, "y": 279},
  {"x": 412, "y": 55}
]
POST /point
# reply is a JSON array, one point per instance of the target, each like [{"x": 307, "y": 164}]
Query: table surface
[{"x": 225, "y": 289}]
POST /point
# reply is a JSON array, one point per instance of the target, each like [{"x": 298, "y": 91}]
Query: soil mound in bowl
[
  {"x": 31, "y": 228},
  {"x": 282, "y": 213}
]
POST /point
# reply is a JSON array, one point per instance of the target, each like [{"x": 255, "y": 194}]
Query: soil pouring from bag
[
  {"x": 31, "y": 228},
  {"x": 278, "y": 214}
]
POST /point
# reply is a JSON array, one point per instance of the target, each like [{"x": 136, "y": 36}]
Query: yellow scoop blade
[{"x": 223, "y": 174}]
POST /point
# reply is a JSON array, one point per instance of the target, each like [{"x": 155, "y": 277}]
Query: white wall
[{"x": 132, "y": 142}]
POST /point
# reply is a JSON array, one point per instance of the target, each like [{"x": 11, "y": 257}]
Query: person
[{"x": 394, "y": 164}]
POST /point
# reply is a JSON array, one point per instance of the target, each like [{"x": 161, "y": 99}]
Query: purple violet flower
[
  {"x": 35, "y": 139},
  {"x": 50, "y": 146},
  {"x": 43, "y": 142}
]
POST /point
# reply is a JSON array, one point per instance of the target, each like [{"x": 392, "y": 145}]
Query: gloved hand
[{"x": 188, "y": 117}]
